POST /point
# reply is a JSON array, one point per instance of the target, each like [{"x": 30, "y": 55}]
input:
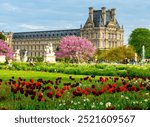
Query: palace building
[{"x": 101, "y": 28}]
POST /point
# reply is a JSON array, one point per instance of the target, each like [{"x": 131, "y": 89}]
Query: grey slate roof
[
  {"x": 46, "y": 34},
  {"x": 98, "y": 21}
]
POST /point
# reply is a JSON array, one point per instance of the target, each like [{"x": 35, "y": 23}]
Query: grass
[
  {"x": 7, "y": 74},
  {"x": 137, "y": 100}
]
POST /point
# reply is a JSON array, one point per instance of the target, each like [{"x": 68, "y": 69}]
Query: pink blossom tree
[
  {"x": 5, "y": 50},
  {"x": 76, "y": 49}
]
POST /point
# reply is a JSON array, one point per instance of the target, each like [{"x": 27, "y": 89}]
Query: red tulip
[
  {"x": 103, "y": 90},
  {"x": 78, "y": 88},
  {"x": 83, "y": 91},
  {"x": 87, "y": 89},
  {"x": 61, "y": 91},
  {"x": 50, "y": 94},
  {"x": 58, "y": 95},
  {"x": 65, "y": 88},
  {"x": 38, "y": 84},
  {"x": 86, "y": 92},
  {"x": 32, "y": 81},
  {"x": 40, "y": 95}
]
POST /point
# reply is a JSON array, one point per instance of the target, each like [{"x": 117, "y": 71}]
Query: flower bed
[{"x": 89, "y": 92}]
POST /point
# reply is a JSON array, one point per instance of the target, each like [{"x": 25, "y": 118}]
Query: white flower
[
  {"x": 93, "y": 106},
  {"x": 146, "y": 100},
  {"x": 127, "y": 98},
  {"x": 135, "y": 102},
  {"x": 87, "y": 100},
  {"x": 122, "y": 96},
  {"x": 101, "y": 103},
  {"x": 147, "y": 94},
  {"x": 108, "y": 104},
  {"x": 75, "y": 103},
  {"x": 60, "y": 104}
]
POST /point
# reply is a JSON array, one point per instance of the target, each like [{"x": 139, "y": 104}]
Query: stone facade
[
  {"x": 101, "y": 28},
  {"x": 36, "y": 42},
  {"x": 9, "y": 37}
]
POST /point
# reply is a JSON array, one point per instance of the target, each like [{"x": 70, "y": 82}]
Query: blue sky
[{"x": 35, "y": 15}]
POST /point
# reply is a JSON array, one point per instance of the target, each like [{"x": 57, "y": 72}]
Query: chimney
[
  {"x": 113, "y": 14},
  {"x": 91, "y": 14},
  {"x": 104, "y": 15}
]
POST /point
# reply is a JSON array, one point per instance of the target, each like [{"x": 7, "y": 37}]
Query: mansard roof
[
  {"x": 46, "y": 34},
  {"x": 98, "y": 20}
]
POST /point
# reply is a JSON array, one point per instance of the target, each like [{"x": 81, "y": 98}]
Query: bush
[{"x": 87, "y": 69}]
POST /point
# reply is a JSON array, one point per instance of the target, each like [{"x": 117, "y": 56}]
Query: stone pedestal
[
  {"x": 50, "y": 58},
  {"x": 49, "y": 55},
  {"x": 2, "y": 59},
  {"x": 17, "y": 58},
  {"x": 24, "y": 59}
]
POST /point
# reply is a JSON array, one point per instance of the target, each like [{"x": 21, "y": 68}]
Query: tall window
[
  {"x": 89, "y": 35},
  {"x": 120, "y": 43},
  {"x": 109, "y": 44},
  {"x": 103, "y": 35},
  {"x": 97, "y": 44},
  {"x": 96, "y": 35},
  {"x": 108, "y": 35},
  {"x": 103, "y": 44}
]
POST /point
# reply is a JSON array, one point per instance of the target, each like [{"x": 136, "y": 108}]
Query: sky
[{"x": 41, "y": 15}]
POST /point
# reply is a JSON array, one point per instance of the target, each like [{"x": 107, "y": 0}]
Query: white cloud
[
  {"x": 64, "y": 26},
  {"x": 29, "y": 27},
  {"x": 8, "y": 7},
  {"x": 33, "y": 27}
]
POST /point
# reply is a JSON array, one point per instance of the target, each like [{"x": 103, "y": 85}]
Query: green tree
[
  {"x": 138, "y": 38},
  {"x": 116, "y": 54},
  {"x": 2, "y": 37}
]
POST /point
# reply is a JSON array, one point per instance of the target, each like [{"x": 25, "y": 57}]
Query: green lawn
[{"x": 7, "y": 74}]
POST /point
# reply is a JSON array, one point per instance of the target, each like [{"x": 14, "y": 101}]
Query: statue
[
  {"x": 25, "y": 53},
  {"x": 24, "y": 57},
  {"x": 49, "y": 55},
  {"x": 17, "y": 55},
  {"x": 49, "y": 49}
]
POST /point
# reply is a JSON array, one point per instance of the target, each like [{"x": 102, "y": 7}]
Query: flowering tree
[
  {"x": 76, "y": 49},
  {"x": 5, "y": 50}
]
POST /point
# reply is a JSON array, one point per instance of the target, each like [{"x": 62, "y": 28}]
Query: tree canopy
[
  {"x": 2, "y": 37},
  {"x": 76, "y": 49},
  {"x": 5, "y": 50},
  {"x": 116, "y": 54},
  {"x": 138, "y": 38}
]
